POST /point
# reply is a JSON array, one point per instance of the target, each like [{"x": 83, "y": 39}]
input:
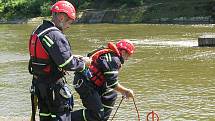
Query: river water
[{"x": 169, "y": 74}]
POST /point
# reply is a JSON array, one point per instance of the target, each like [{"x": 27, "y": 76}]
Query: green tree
[{"x": 33, "y": 8}]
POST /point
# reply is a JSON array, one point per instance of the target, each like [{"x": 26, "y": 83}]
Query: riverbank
[
  {"x": 35, "y": 20},
  {"x": 154, "y": 12},
  {"x": 136, "y": 15},
  {"x": 94, "y": 17}
]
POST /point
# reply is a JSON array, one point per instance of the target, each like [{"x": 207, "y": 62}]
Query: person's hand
[
  {"x": 87, "y": 61},
  {"x": 129, "y": 93}
]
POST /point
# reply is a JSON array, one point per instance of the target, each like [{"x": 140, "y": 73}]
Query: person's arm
[
  {"x": 128, "y": 93},
  {"x": 60, "y": 51},
  {"x": 111, "y": 71},
  {"x": 109, "y": 65}
]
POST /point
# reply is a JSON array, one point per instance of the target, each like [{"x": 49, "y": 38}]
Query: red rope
[
  {"x": 119, "y": 106},
  {"x": 138, "y": 114}
]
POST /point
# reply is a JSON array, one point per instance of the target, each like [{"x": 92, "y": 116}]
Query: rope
[
  {"x": 117, "y": 108},
  {"x": 138, "y": 114}
]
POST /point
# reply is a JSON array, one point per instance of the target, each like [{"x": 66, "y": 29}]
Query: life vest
[
  {"x": 97, "y": 75},
  {"x": 40, "y": 63}
]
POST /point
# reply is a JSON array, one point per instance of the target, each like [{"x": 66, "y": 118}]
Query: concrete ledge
[
  {"x": 206, "y": 40},
  {"x": 135, "y": 15}
]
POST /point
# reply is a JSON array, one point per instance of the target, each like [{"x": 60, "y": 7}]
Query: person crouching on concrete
[{"x": 97, "y": 85}]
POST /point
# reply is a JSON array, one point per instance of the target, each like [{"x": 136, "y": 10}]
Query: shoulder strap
[
  {"x": 114, "y": 48},
  {"x": 94, "y": 51},
  {"x": 48, "y": 30},
  {"x": 96, "y": 55}
]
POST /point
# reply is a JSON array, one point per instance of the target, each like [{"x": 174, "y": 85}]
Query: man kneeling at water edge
[{"x": 97, "y": 85}]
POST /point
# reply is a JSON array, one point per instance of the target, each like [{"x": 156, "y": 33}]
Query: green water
[{"x": 168, "y": 72}]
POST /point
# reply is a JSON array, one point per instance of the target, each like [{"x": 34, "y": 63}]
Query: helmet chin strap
[{"x": 122, "y": 59}]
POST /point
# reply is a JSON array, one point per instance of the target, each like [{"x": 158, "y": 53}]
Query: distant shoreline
[
  {"x": 136, "y": 15},
  {"x": 194, "y": 20},
  {"x": 117, "y": 17},
  {"x": 35, "y": 20}
]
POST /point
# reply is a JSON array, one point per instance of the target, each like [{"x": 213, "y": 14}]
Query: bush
[
  {"x": 45, "y": 9},
  {"x": 34, "y": 8}
]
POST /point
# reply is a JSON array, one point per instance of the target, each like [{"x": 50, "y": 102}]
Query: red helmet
[
  {"x": 64, "y": 7},
  {"x": 126, "y": 45}
]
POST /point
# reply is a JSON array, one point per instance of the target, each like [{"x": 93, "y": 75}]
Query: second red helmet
[{"x": 126, "y": 45}]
